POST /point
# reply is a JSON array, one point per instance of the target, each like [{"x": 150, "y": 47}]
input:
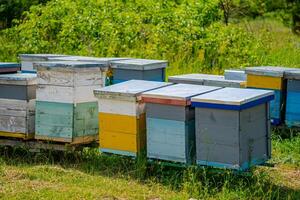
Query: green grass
[{"x": 91, "y": 175}]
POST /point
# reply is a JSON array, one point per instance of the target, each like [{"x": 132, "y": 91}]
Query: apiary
[
  {"x": 122, "y": 116},
  {"x": 6, "y": 67},
  {"x": 270, "y": 78},
  {"x": 66, "y": 109},
  {"x": 139, "y": 69},
  {"x": 17, "y": 105},
  {"x": 170, "y": 122},
  {"x": 292, "y": 115},
  {"x": 206, "y": 79},
  {"x": 233, "y": 128},
  {"x": 233, "y": 74},
  {"x": 27, "y": 60}
]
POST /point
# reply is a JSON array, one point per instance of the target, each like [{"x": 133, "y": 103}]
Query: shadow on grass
[{"x": 197, "y": 182}]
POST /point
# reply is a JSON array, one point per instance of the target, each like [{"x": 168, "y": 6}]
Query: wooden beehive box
[
  {"x": 27, "y": 60},
  {"x": 270, "y": 78},
  {"x": 66, "y": 109},
  {"x": 6, "y": 67},
  {"x": 17, "y": 103},
  {"x": 106, "y": 62},
  {"x": 292, "y": 115},
  {"x": 233, "y": 128},
  {"x": 139, "y": 69},
  {"x": 206, "y": 79},
  {"x": 171, "y": 122},
  {"x": 122, "y": 116},
  {"x": 233, "y": 74}
]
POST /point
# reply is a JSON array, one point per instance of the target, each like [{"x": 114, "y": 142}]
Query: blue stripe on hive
[
  {"x": 170, "y": 140},
  {"x": 234, "y": 107},
  {"x": 28, "y": 71}
]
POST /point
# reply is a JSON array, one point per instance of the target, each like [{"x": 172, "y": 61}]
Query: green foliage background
[{"x": 190, "y": 34}]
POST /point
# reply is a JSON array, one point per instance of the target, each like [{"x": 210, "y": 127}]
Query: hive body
[
  {"x": 206, "y": 79},
  {"x": 171, "y": 122},
  {"x": 17, "y": 105},
  {"x": 232, "y": 128},
  {"x": 66, "y": 109},
  {"x": 138, "y": 69},
  {"x": 122, "y": 117}
]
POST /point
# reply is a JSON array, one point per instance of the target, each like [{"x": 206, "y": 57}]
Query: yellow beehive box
[{"x": 122, "y": 116}]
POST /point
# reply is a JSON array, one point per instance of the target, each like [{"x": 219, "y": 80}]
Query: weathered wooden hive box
[
  {"x": 292, "y": 115},
  {"x": 170, "y": 122},
  {"x": 66, "y": 109},
  {"x": 106, "y": 62},
  {"x": 139, "y": 69},
  {"x": 233, "y": 128},
  {"x": 206, "y": 79},
  {"x": 17, "y": 105},
  {"x": 27, "y": 60},
  {"x": 233, "y": 74},
  {"x": 122, "y": 116},
  {"x": 6, "y": 67},
  {"x": 270, "y": 78}
]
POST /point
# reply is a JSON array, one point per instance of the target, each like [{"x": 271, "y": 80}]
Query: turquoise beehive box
[
  {"x": 170, "y": 122},
  {"x": 139, "y": 69},
  {"x": 233, "y": 128},
  {"x": 66, "y": 109}
]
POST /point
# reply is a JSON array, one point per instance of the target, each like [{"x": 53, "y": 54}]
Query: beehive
[
  {"x": 270, "y": 78},
  {"x": 292, "y": 115},
  {"x": 17, "y": 103},
  {"x": 233, "y": 128},
  {"x": 122, "y": 116},
  {"x": 206, "y": 79},
  {"x": 66, "y": 109},
  {"x": 139, "y": 69},
  {"x": 27, "y": 60},
  {"x": 6, "y": 67},
  {"x": 233, "y": 74},
  {"x": 106, "y": 62},
  {"x": 171, "y": 122}
]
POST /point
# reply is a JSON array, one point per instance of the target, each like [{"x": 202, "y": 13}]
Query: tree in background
[{"x": 13, "y": 9}]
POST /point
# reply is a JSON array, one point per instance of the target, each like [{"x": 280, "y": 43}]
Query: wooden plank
[
  {"x": 266, "y": 82},
  {"x": 121, "y": 107},
  {"x": 13, "y": 124}
]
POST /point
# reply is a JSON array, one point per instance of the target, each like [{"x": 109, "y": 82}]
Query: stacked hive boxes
[
  {"x": 66, "y": 109},
  {"x": 139, "y": 69},
  {"x": 17, "y": 101},
  {"x": 232, "y": 128},
  {"x": 27, "y": 60},
  {"x": 122, "y": 116},
  {"x": 292, "y": 115},
  {"x": 206, "y": 79},
  {"x": 232, "y": 74},
  {"x": 9, "y": 67},
  {"x": 171, "y": 122},
  {"x": 270, "y": 78}
]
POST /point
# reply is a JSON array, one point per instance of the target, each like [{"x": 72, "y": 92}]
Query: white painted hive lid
[
  {"x": 292, "y": 74},
  {"x": 18, "y": 79},
  {"x": 232, "y": 96},
  {"x": 66, "y": 65},
  {"x": 139, "y": 64},
  {"x": 130, "y": 88},
  {"x": 86, "y": 59},
  {"x": 39, "y": 56},
  {"x": 196, "y": 77},
  {"x": 179, "y": 91},
  {"x": 268, "y": 71}
]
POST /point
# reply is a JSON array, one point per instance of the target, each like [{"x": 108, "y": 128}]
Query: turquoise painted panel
[
  {"x": 292, "y": 117},
  {"x": 54, "y": 119},
  {"x": 86, "y": 119},
  {"x": 170, "y": 140}
]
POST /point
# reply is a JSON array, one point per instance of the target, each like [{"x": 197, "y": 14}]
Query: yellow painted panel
[
  {"x": 118, "y": 123},
  {"x": 118, "y": 141},
  {"x": 266, "y": 82},
  {"x": 16, "y": 135}
]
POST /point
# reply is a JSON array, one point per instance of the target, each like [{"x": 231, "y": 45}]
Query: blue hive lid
[
  {"x": 233, "y": 98},
  {"x": 139, "y": 64}
]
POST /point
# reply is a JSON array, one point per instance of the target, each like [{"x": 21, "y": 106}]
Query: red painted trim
[{"x": 166, "y": 101}]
